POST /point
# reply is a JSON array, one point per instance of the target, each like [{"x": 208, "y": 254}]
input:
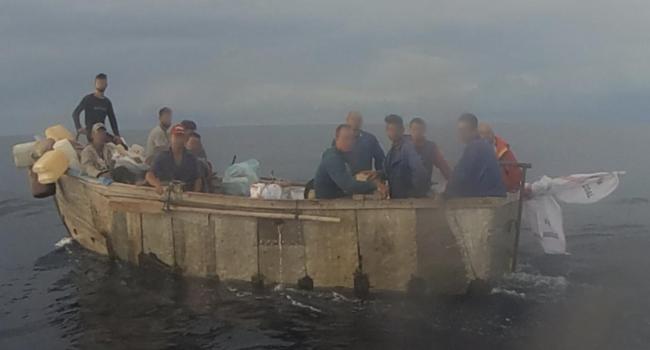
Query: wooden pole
[{"x": 522, "y": 187}]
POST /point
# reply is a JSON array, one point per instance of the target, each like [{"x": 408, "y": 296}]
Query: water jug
[
  {"x": 58, "y": 132},
  {"x": 51, "y": 166},
  {"x": 23, "y": 154},
  {"x": 66, "y": 147}
]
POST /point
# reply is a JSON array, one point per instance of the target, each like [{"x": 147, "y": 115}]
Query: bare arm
[{"x": 154, "y": 181}]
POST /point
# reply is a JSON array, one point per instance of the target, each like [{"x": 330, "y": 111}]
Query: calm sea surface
[{"x": 58, "y": 296}]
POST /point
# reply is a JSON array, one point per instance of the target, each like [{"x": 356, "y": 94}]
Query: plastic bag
[{"x": 239, "y": 177}]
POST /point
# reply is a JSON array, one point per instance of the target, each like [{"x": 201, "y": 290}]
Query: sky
[{"x": 300, "y": 61}]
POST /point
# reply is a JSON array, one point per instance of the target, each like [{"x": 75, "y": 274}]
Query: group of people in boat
[{"x": 354, "y": 164}]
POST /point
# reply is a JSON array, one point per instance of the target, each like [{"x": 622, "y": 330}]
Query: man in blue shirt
[
  {"x": 334, "y": 178},
  {"x": 175, "y": 164},
  {"x": 477, "y": 173},
  {"x": 403, "y": 167},
  {"x": 366, "y": 148}
]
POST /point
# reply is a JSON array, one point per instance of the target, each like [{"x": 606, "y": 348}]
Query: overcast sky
[{"x": 269, "y": 62}]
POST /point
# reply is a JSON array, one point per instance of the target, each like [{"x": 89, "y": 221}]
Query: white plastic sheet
[{"x": 543, "y": 213}]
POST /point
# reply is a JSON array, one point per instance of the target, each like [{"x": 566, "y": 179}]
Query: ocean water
[{"x": 55, "y": 295}]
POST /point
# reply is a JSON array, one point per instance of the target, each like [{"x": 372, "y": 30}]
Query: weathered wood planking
[
  {"x": 331, "y": 250},
  {"x": 235, "y": 242},
  {"x": 387, "y": 242},
  {"x": 281, "y": 250},
  {"x": 443, "y": 244},
  {"x": 157, "y": 238},
  {"x": 439, "y": 261},
  {"x": 194, "y": 244}
]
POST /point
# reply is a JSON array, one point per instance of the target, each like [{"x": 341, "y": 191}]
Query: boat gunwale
[{"x": 213, "y": 200}]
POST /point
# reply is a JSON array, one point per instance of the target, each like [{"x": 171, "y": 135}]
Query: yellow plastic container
[
  {"x": 51, "y": 166},
  {"x": 23, "y": 154},
  {"x": 58, "y": 132},
  {"x": 66, "y": 147}
]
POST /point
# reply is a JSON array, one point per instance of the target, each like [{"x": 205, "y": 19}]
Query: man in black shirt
[{"x": 96, "y": 107}]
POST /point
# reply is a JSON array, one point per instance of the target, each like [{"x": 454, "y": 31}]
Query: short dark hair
[
  {"x": 394, "y": 119},
  {"x": 100, "y": 76},
  {"x": 188, "y": 125},
  {"x": 163, "y": 111},
  {"x": 195, "y": 134},
  {"x": 418, "y": 120},
  {"x": 470, "y": 119},
  {"x": 341, "y": 127}
]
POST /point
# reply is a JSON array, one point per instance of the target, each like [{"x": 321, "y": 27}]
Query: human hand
[
  {"x": 159, "y": 189},
  {"x": 382, "y": 188},
  {"x": 81, "y": 131}
]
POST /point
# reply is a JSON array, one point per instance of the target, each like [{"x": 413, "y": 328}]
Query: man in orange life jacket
[{"x": 510, "y": 172}]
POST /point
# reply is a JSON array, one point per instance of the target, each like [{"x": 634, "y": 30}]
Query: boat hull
[{"x": 441, "y": 247}]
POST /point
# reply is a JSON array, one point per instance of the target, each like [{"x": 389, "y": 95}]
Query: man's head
[
  {"x": 101, "y": 82},
  {"x": 98, "y": 135},
  {"x": 344, "y": 138},
  {"x": 418, "y": 129},
  {"x": 189, "y": 125},
  {"x": 354, "y": 120},
  {"x": 486, "y": 132},
  {"x": 194, "y": 144},
  {"x": 165, "y": 117},
  {"x": 179, "y": 137},
  {"x": 467, "y": 127},
  {"x": 394, "y": 127}
]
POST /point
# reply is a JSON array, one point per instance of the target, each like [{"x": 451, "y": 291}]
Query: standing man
[
  {"x": 428, "y": 150},
  {"x": 334, "y": 179},
  {"x": 477, "y": 173},
  {"x": 158, "y": 139},
  {"x": 403, "y": 166},
  {"x": 175, "y": 164},
  {"x": 510, "y": 172},
  {"x": 366, "y": 148},
  {"x": 96, "y": 106}
]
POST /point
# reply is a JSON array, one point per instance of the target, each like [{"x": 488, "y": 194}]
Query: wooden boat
[{"x": 385, "y": 245}]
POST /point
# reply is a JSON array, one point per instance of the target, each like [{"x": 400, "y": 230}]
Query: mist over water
[{"x": 596, "y": 298}]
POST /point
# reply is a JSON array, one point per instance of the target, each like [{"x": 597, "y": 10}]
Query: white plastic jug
[
  {"x": 23, "y": 154},
  {"x": 58, "y": 132},
  {"x": 51, "y": 166},
  {"x": 66, "y": 147}
]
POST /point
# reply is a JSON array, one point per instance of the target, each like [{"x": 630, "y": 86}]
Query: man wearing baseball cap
[
  {"x": 175, "y": 164},
  {"x": 97, "y": 156}
]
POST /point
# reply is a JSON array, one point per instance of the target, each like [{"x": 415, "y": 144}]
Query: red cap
[{"x": 178, "y": 130}]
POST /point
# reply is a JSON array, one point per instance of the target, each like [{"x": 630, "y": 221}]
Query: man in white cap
[{"x": 97, "y": 156}]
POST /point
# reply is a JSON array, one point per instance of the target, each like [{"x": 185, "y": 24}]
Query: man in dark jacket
[
  {"x": 403, "y": 166},
  {"x": 366, "y": 148},
  {"x": 96, "y": 107},
  {"x": 334, "y": 178},
  {"x": 477, "y": 173}
]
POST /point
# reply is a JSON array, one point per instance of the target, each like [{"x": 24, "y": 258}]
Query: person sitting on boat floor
[
  {"x": 96, "y": 107},
  {"x": 195, "y": 147},
  {"x": 97, "y": 157},
  {"x": 403, "y": 168},
  {"x": 334, "y": 179},
  {"x": 428, "y": 150},
  {"x": 510, "y": 172},
  {"x": 190, "y": 128},
  {"x": 175, "y": 164},
  {"x": 158, "y": 139},
  {"x": 366, "y": 148},
  {"x": 477, "y": 173}
]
